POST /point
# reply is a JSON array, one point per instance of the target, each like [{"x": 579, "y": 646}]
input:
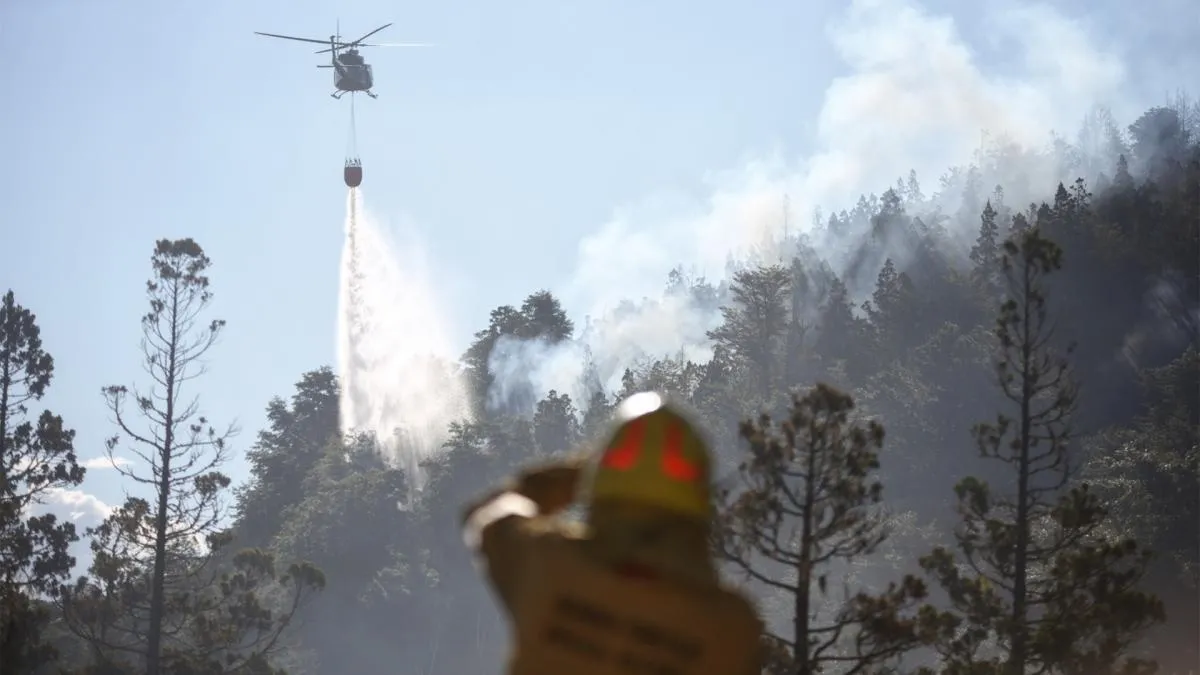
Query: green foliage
[
  {"x": 985, "y": 254},
  {"x": 556, "y": 424},
  {"x": 37, "y": 458},
  {"x": 349, "y": 509},
  {"x": 1041, "y": 587},
  {"x": 1151, "y": 471},
  {"x": 1148, "y": 475},
  {"x": 293, "y": 442},
  {"x": 756, "y": 319},
  {"x": 808, "y": 502},
  {"x": 218, "y": 618}
]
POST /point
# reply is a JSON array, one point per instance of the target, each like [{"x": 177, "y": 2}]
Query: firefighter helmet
[{"x": 654, "y": 457}]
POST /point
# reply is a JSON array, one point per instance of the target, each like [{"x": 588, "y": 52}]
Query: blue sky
[{"x": 506, "y": 147}]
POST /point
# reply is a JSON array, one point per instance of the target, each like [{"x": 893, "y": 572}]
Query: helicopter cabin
[
  {"x": 350, "y": 57},
  {"x": 354, "y": 78}
]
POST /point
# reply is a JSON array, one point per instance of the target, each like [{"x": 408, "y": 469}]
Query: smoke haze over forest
[
  {"x": 872, "y": 262},
  {"x": 943, "y": 108}
]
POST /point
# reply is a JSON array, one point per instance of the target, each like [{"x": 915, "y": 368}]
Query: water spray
[{"x": 398, "y": 378}]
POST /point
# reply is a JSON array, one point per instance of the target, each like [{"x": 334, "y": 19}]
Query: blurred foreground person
[{"x": 633, "y": 589}]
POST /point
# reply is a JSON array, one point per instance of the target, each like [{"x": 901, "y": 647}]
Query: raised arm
[{"x": 541, "y": 490}]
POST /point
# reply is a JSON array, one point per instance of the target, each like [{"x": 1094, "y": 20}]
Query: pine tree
[
  {"x": 895, "y": 312},
  {"x": 37, "y": 458},
  {"x": 157, "y": 592},
  {"x": 806, "y": 506},
  {"x": 287, "y": 449},
  {"x": 912, "y": 189},
  {"x": 841, "y": 336},
  {"x": 1034, "y": 574},
  {"x": 757, "y": 320},
  {"x": 597, "y": 415},
  {"x": 556, "y": 423},
  {"x": 1123, "y": 181},
  {"x": 985, "y": 254}
]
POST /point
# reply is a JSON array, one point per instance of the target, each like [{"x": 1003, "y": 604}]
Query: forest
[{"x": 989, "y": 392}]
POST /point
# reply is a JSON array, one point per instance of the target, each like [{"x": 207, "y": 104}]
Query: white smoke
[
  {"x": 915, "y": 98},
  {"x": 396, "y": 374}
]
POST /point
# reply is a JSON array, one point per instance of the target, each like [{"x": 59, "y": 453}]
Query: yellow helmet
[{"x": 654, "y": 457}]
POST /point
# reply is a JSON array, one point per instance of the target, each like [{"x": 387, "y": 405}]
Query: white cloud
[
  {"x": 81, "y": 507},
  {"x": 103, "y": 462},
  {"x": 80, "y": 504}
]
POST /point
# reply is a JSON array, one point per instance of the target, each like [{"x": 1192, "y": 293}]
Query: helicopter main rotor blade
[
  {"x": 356, "y": 45},
  {"x": 400, "y": 44},
  {"x": 337, "y": 45},
  {"x": 327, "y": 50},
  {"x": 370, "y": 34},
  {"x": 298, "y": 39}
]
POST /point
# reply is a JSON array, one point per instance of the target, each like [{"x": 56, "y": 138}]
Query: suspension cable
[{"x": 352, "y": 143}]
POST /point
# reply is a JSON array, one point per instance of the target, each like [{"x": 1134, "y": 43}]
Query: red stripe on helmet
[
  {"x": 674, "y": 464},
  {"x": 625, "y": 454}
]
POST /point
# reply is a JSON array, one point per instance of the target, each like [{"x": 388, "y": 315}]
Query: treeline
[{"x": 1029, "y": 396}]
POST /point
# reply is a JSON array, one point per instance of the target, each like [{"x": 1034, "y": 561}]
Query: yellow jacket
[{"x": 623, "y": 595}]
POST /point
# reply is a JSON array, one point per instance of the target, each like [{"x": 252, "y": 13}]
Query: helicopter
[{"x": 351, "y": 72}]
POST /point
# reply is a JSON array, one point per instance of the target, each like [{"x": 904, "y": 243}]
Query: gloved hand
[{"x": 553, "y": 485}]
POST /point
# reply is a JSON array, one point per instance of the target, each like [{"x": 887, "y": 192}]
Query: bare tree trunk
[
  {"x": 1017, "y": 657},
  {"x": 158, "y": 587},
  {"x": 803, "y": 598}
]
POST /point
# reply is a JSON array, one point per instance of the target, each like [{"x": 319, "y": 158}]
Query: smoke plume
[{"x": 916, "y": 98}]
